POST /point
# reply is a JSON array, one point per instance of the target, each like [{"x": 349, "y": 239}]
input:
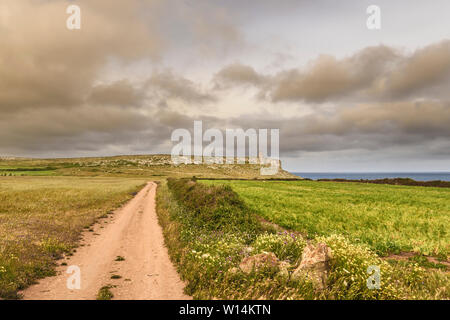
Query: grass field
[
  {"x": 211, "y": 229},
  {"x": 390, "y": 219},
  {"x": 42, "y": 217}
]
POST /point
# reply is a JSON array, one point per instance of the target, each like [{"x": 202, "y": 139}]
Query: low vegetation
[
  {"x": 105, "y": 293},
  {"x": 41, "y": 218},
  {"x": 211, "y": 231},
  {"x": 398, "y": 182}
]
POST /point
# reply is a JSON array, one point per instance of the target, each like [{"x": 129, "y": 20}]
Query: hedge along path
[{"x": 133, "y": 232}]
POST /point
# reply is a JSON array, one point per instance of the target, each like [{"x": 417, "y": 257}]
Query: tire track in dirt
[{"x": 134, "y": 233}]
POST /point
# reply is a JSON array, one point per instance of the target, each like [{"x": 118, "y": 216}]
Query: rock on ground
[{"x": 314, "y": 264}]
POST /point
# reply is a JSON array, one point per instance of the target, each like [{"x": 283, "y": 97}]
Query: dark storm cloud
[
  {"x": 48, "y": 97},
  {"x": 328, "y": 78},
  {"x": 425, "y": 68},
  {"x": 121, "y": 93},
  {"x": 55, "y": 97},
  {"x": 365, "y": 127},
  {"x": 52, "y": 97},
  {"x": 374, "y": 73},
  {"x": 44, "y": 64}
]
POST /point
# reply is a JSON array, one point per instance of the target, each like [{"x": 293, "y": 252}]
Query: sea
[{"x": 418, "y": 176}]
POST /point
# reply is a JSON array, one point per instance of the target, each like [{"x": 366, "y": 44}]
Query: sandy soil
[{"x": 132, "y": 232}]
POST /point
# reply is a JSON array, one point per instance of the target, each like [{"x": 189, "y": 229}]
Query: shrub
[
  {"x": 216, "y": 208},
  {"x": 105, "y": 293}
]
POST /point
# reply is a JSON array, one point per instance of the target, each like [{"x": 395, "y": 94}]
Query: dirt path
[{"x": 133, "y": 232}]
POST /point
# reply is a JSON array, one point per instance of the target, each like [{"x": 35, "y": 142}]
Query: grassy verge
[
  {"x": 210, "y": 230},
  {"x": 41, "y": 218}
]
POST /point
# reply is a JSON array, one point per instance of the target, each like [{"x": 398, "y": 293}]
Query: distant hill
[{"x": 132, "y": 165}]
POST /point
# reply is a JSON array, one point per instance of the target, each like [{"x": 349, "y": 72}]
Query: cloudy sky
[{"x": 344, "y": 97}]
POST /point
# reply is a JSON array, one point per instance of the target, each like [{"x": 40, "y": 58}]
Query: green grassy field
[
  {"x": 390, "y": 219},
  {"x": 211, "y": 229},
  {"x": 42, "y": 217}
]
